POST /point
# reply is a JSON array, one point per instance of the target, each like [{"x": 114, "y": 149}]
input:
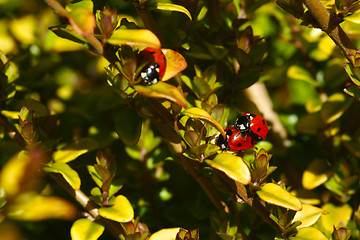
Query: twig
[{"x": 331, "y": 27}]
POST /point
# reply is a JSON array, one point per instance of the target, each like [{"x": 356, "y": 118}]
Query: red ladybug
[
  {"x": 235, "y": 140},
  {"x": 253, "y": 124},
  {"x": 155, "y": 65}
]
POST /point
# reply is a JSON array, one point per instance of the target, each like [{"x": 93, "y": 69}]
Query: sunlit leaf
[
  {"x": 84, "y": 4},
  {"x": 175, "y": 63},
  {"x": 69, "y": 33},
  {"x": 334, "y": 107},
  {"x": 199, "y": 113},
  {"x": 353, "y": 91},
  {"x": 67, "y": 155},
  {"x": 70, "y": 175},
  {"x": 336, "y": 214},
  {"x": 121, "y": 211},
  {"x": 309, "y": 233},
  {"x": 308, "y": 215},
  {"x": 37, "y": 208},
  {"x": 353, "y": 73},
  {"x": 315, "y": 174},
  {"x": 85, "y": 229},
  {"x": 170, "y": 7},
  {"x": 233, "y": 166},
  {"x": 165, "y": 234},
  {"x": 162, "y": 90},
  {"x": 354, "y": 18},
  {"x": 132, "y": 37},
  {"x": 83, "y": 21},
  {"x": 274, "y": 194}
]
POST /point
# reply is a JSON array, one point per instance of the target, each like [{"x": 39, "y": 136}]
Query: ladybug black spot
[
  {"x": 263, "y": 121},
  {"x": 239, "y": 144},
  {"x": 229, "y": 132},
  {"x": 258, "y": 130}
]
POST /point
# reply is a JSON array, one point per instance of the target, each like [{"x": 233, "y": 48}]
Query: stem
[
  {"x": 327, "y": 24},
  {"x": 114, "y": 228},
  {"x": 12, "y": 132}
]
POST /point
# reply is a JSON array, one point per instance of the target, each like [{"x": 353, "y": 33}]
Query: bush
[{"x": 144, "y": 161}]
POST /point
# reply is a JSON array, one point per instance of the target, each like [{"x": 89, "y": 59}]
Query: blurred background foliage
[{"x": 62, "y": 107}]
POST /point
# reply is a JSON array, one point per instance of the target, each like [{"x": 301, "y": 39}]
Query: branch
[{"x": 327, "y": 24}]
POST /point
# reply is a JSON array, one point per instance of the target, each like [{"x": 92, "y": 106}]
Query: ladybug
[
  {"x": 235, "y": 140},
  {"x": 253, "y": 124},
  {"x": 155, "y": 65}
]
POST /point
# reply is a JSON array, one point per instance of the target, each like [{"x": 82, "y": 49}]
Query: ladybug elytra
[{"x": 155, "y": 65}]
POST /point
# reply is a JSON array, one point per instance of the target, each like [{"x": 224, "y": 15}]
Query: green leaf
[
  {"x": 162, "y": 90},
  {"x": 128, "y": 125},
  {"x": 175, "y": 63},
  {"x": 334, "y": 107},
  {"x": 315, "y": 174},
  {"x": 85, "y": 229},
  {"x": 67, "y": 155},
  {"x": 121, "y": 211},
  {"x": 170, "y": 7},
  {"x": 274, "y": 194},
  {"x": 69, "y": 33},
  {"x": 70, "y": 175},
  {"x": 86, "y": 4},
  {"x": 83, "y": 21},
  {"x": 353, "y": 91},
  {"x": 233, "y": 166},
  {"x": 309, "y": 233},
  {"x": 353, "y": 73},
  {"x": 354, "y": 18},
  {"x": 165, "y": 234},
  {"x": 310, "y": 124},
  {"x": 95, "y": 175},
  {"x": 142, "y": 37},
  {"x": 199, "y": 113},
  {"x": 308, "y": 215},
  {"x": 37, "y": 208},
  {"x": 336, "y": 214},
  {"x": 294, "y": 7}
]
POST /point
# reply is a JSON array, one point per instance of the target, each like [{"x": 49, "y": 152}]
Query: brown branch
[
  {"x": 113, "y": 227},
  {"x": 328, "y": 24}
]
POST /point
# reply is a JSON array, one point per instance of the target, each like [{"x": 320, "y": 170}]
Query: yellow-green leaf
[
  {"x": 132, "y": 37},
  {"x": 162, "y": 90},
  {"x": 37, "y": 208},
  {"x": 199, "y": 113},
  {"x": 121, "y": 211},
  {"x": 336, "y": 214},
  {"x": 308, "y": 215},
  {"x": 85, "y": 229},
  {"x": 233, "y": 166},
  {"x": 83, "y": 21},
  {"x": 175, "y": 63},
  {"x": 274, "y": 194},
  {"x": 315, "y": 174},
  {"x": 67, "y": 155},
  {"x": 334, "y": 107},
  {"x": 70, "y": 175},
  {"x": 165, "y": 234},
  {"x": 10, "y": 114},
  {"x": 355, "y": 18},
  {"x": 309, "y": 233},
  {"x": 171, "y": 7}
]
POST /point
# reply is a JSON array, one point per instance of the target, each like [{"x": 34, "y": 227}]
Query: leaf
[
  {"x": 175, "y": 63},
  {"x": 233, "y": 166},
  {"x": 37, "y": 208},
  {"x": 353, "y": 91},
  {"x": 83, "y": 21},
  {"x": 274, "y": 194},
  {"x": 310, "y": 124},
  {"x": 334, "y": 107},
  {"x": 85, "y": 229},
  {"x": 85, "y": 4},
  {"x": 128, "y": 125},
  {"x": 165, "y": 234},
  {"x": 162, "y": 90},
  {"x": 353, "y": 73},
  {"x": 121, "y": 211},
  {"x": 336, "y": 214},
  {"x": 309, "y": 233},
  {"x": 308, "y": 215},
  {"x": 354, "y": 18},
  {"x": 142, "y": 37},
  {"x": 67, "y": 155},
  {"x": 69, "y": 33},
  {"x": 199, "y": 113},
  {"x": 315, "y": 174},
  {"x": 171, "y": 7},
  {"x": 70, "y": 175}
]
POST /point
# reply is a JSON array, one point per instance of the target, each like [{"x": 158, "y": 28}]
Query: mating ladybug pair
[
  {"x": 247, "y": 130},
  {"x": 155, "y": 65}
]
